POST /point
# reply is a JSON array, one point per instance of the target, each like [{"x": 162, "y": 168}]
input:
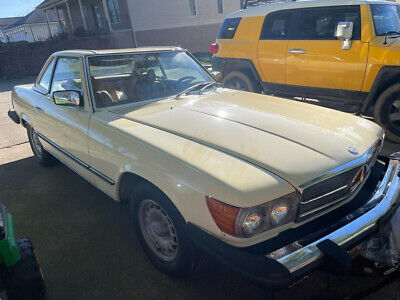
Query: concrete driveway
[{"x": 88, "y": 250}]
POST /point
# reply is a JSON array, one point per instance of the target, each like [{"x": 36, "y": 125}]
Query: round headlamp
[
  {"x": 279, "y": 213},
  {"x": 252, "y": 222}
]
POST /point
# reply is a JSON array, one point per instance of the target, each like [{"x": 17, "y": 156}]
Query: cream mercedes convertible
[{"x": 269, "y": 187}]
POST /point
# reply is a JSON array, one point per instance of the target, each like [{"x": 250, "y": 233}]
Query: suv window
[
  {"x": 67, "y": 75},
  {"x": 46, "y": 77},
  {"x": 276, "y": 26},
  {"x": 386, "y": 18},
  {"x": 228, "y": 28},
  {"x": 319, "y": 23}
]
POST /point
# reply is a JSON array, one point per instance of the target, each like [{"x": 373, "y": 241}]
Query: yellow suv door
[
  {"x": 315, "y": 57},
  {"x": 272, "y": 47}
]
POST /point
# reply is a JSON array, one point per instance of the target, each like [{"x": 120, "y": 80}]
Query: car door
[
  {"x": 272, "y": 48},
  {"x": 63, "y": 129},
  {"x": 315, "y": 58},
  {"x": 40, "y": 89}
]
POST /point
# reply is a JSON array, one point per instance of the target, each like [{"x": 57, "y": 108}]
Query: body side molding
[{"x": 77, "y": 160}]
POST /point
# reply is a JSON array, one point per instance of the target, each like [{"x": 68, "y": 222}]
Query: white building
[
  {"x": 34, "y": 27},
  {"x": 192, "y": 24},
  {"x": 4, "y": 23}
]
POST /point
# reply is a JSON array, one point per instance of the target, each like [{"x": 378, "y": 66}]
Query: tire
[
  {"x": 387, "y": 107},
  {"x": 157, "y": 220},
  {"x": 45, "y": 158},
  {"x": 242, "y": 81},
  {"x": 24, "y": 280}
]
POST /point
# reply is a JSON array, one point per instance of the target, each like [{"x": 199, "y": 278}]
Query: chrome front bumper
[
  {"x": 384, "y": 201},
  {"x": 350, "y": 231}
]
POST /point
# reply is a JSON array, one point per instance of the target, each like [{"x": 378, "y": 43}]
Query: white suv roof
[{"x": 263, "y": 9}]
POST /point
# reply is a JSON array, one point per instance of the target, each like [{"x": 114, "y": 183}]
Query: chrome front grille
[
  {"x": 337, "y": 186},
  {"x": 329, "y": 192}
]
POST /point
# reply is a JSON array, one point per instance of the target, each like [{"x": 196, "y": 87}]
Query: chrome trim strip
[
  {"x": 385, "y": 197},
  {"x": 343, "y": 168},
  {"x": 77, "y": 160},
  {"x": 102, "y": 176},
  {"x": 324, "y": 195},
  {"x": 326, "y": 205}
]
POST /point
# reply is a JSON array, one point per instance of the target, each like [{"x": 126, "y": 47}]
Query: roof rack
[{"x": 249, "y": 3}]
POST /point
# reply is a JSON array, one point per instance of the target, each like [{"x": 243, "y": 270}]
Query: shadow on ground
[{"x": 88, "y": 250}]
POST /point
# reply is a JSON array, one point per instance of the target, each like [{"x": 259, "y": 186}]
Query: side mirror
[
  {"x": 217, "y": 75},
  {"x": 344, "y": 32},
  {"x": 67, "y": 98}
]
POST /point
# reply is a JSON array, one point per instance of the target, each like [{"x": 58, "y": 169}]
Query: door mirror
[
  {"x": 67, "y": 98},
  {"x": 344, "y": 32},
  {"x": 217, "y": 75}
]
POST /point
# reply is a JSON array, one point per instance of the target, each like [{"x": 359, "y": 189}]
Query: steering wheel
[{"x": 186, "y": 78}]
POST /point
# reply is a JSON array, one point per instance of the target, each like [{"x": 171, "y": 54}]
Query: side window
[
  {"x": 228, "y": 28},
  {"x": 220, "y": 7},
  {"x": 192, "y": 7},
  {"x": 46, "y": 77},
  {"x": 276, "y": 26},
  {"x": 67, "y": 75},
  {"x": 319, "y": 23}
]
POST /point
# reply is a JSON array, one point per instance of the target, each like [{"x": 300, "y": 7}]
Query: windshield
[
  {"x": 386, "y": 18},
  {"x": 130, "y": 78}
]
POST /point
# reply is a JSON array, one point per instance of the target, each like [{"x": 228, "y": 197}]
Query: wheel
[
  {"x": 24, "y": 280},
  {"x": 44, "y": 157},
  {"x": 242, "y": 81},
  {"x": 160, "y": 228},
  {"x": 387, "y": 112}
]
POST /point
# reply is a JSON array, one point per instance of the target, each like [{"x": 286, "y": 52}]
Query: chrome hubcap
[
  {"x": 36, "y": 144},
  {"x": 158, "y": 230}
]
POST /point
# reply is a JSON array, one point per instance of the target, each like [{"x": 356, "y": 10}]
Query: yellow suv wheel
[
  {"x": 387, "y": 112},
  {"x": 242, "y": 81}
]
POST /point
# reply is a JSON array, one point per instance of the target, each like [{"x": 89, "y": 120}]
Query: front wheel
[
  {"x": 241, "y": 81},
  {"x": 387, "y": 112},
  {"x": 160, "y": 228},
  {"x": 24, "y": 280}
]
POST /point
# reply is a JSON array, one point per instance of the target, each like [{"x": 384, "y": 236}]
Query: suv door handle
[
  {"x": 298, "y": 51},
  {"x": 38, "y": 108}
]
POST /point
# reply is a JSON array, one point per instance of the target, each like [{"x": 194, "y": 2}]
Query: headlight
[
  {"x": 279, "y": 213},
  {"x": 252, "y": 221},
  {"x": 247, "y": 222}
]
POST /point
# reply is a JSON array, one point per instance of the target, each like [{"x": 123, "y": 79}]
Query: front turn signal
[{"x": 223, "y": 214}]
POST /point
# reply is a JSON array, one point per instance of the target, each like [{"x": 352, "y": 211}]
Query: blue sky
[{"x": 17, "y": 8}]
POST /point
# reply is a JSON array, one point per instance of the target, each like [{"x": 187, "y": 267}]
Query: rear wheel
[
  {"x": 387, "y": 112},
  {"x": 24, "y": 280},
  {"x": 242, "y": 81},
  {"x": 160, "y": 228},
  {"x": 44, "y": 157}
]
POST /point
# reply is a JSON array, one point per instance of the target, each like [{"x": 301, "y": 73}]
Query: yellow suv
[{"x": 341, "y": 50}]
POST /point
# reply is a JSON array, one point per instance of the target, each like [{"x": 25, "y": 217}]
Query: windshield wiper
[
  {"x": 190, "y": 89},
  {"x": 391, "y": 32},
  {"x": 210, "y": 84}
]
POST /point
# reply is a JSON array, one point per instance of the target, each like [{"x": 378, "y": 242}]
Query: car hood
[{"x": 296, "y": 141}]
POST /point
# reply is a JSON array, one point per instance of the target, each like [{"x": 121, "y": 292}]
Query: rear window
[{"x": 228, "y": 28}]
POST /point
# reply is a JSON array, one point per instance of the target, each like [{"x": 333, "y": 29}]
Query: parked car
[
  {"x": 260, "y": 183},
  {"x": 21, "y": 275},
  {"x": 341, "y": 50}
]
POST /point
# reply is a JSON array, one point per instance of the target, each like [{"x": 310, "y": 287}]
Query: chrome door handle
[
  {"x": 298, "y": 51},
  {"x": 38, "y": 108}
]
